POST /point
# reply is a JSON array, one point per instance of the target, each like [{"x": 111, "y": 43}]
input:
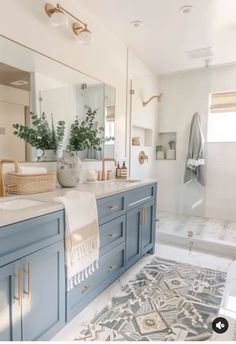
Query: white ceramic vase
[{"x": 68, "y": 169}]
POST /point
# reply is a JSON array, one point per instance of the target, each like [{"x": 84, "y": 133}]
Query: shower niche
[{"x": 166, "y": 146}]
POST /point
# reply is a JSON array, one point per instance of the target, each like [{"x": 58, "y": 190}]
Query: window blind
[{"x": 223, "y": 102}]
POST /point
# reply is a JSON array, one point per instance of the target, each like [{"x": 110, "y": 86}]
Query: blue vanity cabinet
[
  {"x": 43, "y": 292},
  {"x": 10, "y": 305},
  {"x": 148, "y": 227},
  {"x": 127, "y": 232},
  {"x": 32, "y": 279},
  {"x": 140, "y": 231},
  {"x": 111, "y": 266},
  {"x": 133, "y": 236}
]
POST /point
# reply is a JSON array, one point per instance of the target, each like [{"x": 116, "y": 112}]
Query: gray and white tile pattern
[{"x": 166, "y": 301}]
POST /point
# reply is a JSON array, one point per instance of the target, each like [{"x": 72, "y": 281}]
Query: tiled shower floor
[{"x": 195, "y": 230}]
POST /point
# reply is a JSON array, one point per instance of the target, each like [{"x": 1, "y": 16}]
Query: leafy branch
[
  {"x": 86, "y": 134},
  {"x": 41, "y": 135}
]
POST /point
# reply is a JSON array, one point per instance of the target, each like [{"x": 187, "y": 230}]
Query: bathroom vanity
[{"x": 34, "y": 303}]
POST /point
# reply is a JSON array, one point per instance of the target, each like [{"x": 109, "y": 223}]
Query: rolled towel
[{"x": 32, "y": 170}]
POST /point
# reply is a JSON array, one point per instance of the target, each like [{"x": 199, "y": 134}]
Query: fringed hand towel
[
  {"x": 195, "y": 160},
  {"x": 81, "y": 236}
]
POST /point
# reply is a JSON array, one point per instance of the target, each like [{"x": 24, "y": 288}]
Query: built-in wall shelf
[
  {"x": 166, "y": 146},
  {"x": 144, "y": 135}
]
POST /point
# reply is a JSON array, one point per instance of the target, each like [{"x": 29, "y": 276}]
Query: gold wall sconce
[
  {"x": 158, "y": 97},
  {"x": 58, "y": 18},
  {"x": 142, "y": 157}
]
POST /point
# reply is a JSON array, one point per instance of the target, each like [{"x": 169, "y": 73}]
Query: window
[
  {"x": 222, "y": 117},
  {"x": 110, "y": 125}
]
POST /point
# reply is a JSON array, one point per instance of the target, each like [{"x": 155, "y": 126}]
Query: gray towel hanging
[{"x": 195, "y": 165}]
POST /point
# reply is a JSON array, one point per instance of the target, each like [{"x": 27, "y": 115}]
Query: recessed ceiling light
[
  {"x": 186, "y": 9},
  {"x": 136, "y": 23},
  {"x": 18, "y": 82}
]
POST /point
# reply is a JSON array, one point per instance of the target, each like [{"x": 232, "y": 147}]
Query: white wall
[
  {"x": 105, "y": 59},
  {"x": 183, "y": 94},
  {"x": 145, "y": 84}
]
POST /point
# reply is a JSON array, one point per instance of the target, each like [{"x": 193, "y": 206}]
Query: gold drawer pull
[
  {"x": 113, "y": 207},
  {"x": 113, "y": 235},
  {"x": 86, "y": 287},
  {"x": 19, "y": 286},
  {"x": 29, "y": 281},
  {"x": 143, "y": 216},
  {"x": 112, "y": 267}
]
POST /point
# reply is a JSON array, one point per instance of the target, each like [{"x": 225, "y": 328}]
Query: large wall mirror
[{"x": 32, "y": 84}]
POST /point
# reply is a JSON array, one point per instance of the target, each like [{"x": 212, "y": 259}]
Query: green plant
[
  {"x": 86, "y": 134},
  {"x": 41, "y": 135},
  {"x": 159, "y": 148},
  {"x": 171, "y": 144}
]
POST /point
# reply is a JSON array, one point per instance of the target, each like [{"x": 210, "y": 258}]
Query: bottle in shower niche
[
  {"x": 118, "y": 170},
  {"x": 123, "y": 171}
]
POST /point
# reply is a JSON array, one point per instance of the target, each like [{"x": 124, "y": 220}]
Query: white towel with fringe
[{"x": 81, "y": 236}]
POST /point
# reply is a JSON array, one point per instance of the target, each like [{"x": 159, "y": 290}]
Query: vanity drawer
[
  {"x": 110, "y": 207},
  {"x": 112, "y": 262},
  {"x": 112, "y": 234},
  {"x": 141, "y": 195},
  {"x": 22, "y": 238},
  {"x": 111, "y": 266}
]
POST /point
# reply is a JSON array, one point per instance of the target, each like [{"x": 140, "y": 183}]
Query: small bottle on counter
[
  {"x": 118, "y": 170},
  {"x": 123, "y": 171}
]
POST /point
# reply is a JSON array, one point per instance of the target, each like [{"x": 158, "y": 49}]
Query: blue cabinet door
[
  {"x": 148, "y": 228},
  {"x": 10, "y": 302},
  {"x": 43, "y": 304},
  {"x": 133, "y": 236}
]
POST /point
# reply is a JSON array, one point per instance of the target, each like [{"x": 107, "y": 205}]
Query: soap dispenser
[{"x": 124, "y": 171}]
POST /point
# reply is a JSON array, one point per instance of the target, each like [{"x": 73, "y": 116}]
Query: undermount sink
[{"x": 17, "y": 204}]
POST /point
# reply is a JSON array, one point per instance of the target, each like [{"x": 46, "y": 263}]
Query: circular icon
[{"x": 220, "y": 325}]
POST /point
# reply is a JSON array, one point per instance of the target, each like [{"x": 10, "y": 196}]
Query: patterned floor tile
[{"x": 166, "y": 301}]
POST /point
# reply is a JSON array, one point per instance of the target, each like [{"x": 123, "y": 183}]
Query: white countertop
[{"x": 49, "y": 205}]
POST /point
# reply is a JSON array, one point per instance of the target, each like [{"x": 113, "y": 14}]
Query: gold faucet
[
  {"x": 2, "y": 184},
  {"x": 104, "y": 177}
]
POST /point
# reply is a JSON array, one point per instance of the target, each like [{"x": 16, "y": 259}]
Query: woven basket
[{"x": 23, "y": 184}]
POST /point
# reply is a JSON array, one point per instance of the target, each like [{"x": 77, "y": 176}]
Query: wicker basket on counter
[{"x": 23, "y": 184}]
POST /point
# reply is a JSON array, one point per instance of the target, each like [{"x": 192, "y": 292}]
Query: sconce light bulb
[
  {"x": 59, "y": 19},
  {"x": 83, "y": 35}
]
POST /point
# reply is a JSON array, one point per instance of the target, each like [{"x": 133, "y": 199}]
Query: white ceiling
[{"x": 167, "y": 34}]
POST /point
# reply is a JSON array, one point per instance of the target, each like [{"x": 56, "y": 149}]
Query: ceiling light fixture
[
  {"x": 200, "y": 53},
  {"x": 186, "y": 9},
  {"x": 57, "y": 14},
  {"x": 136, "y": 23}
]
